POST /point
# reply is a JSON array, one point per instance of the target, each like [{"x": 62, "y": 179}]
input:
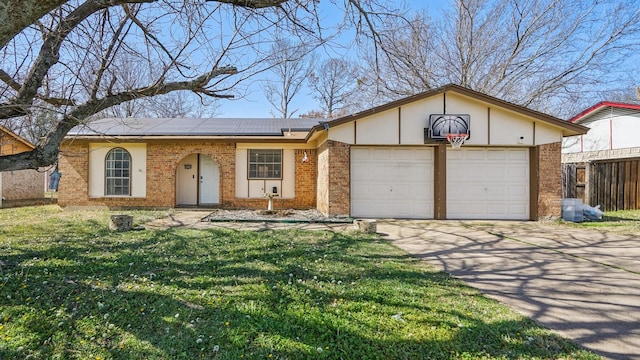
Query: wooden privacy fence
[
  {"x": 613, "y": 184},
  {"x": 573, "y": 181}
]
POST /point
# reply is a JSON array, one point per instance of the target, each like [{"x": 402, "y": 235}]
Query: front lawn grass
[
  {"x": 70, "y": 289},
  {"x": 622, "y": 221}
]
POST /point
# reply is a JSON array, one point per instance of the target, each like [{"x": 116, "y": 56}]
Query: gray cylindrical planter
[
  {"x": 366, "y": 225},
  {"x": 121, "y": 222}
]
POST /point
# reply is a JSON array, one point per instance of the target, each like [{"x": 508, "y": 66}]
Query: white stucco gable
[{"x": 493, "y": 122}]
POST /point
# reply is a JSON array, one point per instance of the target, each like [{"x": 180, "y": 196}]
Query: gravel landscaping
[{"x": 288, "y": 215}]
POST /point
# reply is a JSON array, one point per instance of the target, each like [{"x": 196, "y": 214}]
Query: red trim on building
[{"x": 602, "y": 104}]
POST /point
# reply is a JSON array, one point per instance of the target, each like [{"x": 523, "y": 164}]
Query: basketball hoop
[{"x": 456, "y": 140}]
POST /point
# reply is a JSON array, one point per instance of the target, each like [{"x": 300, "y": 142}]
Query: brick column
[
  {"x": 322, "y": 187},
  {"x": 549, "y": 180},
  {"x": 306, "y": 178},
  {"x": 339, "y": 178}
]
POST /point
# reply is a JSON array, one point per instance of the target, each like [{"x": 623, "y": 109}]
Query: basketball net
[{"x": 456, "y": 140}]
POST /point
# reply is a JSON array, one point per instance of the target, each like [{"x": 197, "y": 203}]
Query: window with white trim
[
  {"x": 118, "y": 173},
  {"x": 265, "y": 164}
]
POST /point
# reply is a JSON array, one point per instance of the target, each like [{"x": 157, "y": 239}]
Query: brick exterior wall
[
  {"x": 339, "y": 178},
  {"x": 334, "y": 179},
  {"x": 73, "y": 188},
  {"x": 306, "y": 178},
  {"x": 22, "y": 185},
  {"x": 322, "y": 189},
  {"x": 305, "y": 187},
  {"x": 162, "y": 161},
  {"x": 549, "y": 180}
]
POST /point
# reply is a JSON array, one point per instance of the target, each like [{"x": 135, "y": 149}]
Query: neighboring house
[
  {"x": 379, "y": 163},
  {"x": 21, "y": 186},
  {"x": 602, "y": 166}
]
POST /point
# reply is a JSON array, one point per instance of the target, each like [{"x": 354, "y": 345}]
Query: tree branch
[
  {"x": 46, "y": 152},
  {"x": 252, "y": 4},
  {"x": 49, "y": 55}
]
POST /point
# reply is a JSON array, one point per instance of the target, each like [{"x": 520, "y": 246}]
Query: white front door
[
  {"x": 197, "y": 181},
  {"x": 488, "y": 183},
  {"x": 392, "y": 182},
  {"x": 187, "y": 181},
  {"x": 209, "y": 180}
]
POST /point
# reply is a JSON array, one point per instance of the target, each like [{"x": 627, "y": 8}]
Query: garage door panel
[
  {"x": 497, "y": 209},
  {"x": 519, "y": 155},
  {"x": 423, "y": 172},
  {"x": 404, "y": 192},
  {"x": 518, "y": 171},
  {"x": 363, "y": 191},
  {"x": 519, "y": 209},
  {"x": 488, "y": 183},
  {"x": 380, "y": 154},
  {"x": 411, "y": 154},
  {"x": 392, "y": 182},
  {"x": 423, "y": 192},
  {"x": 373, "y": 208},
  {"x": 472, "y": 209},
  {"x": 454, "y": 155},
  {"x": 497, "y": 156},
  {"x": 359, "y": 155},
  {"x": 473, "y": 154},
  {"x": 495, "y": 171},
  {"x": 518, "y": 191},
  {"x": 455, "y": 171},
  {"x": 495, "y": 192}
]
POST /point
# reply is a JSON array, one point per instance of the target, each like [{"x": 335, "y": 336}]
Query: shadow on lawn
[{"x": 181, "y": 293}]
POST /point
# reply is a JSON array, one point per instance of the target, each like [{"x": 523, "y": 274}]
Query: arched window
[{"x": 118, "y": 172}]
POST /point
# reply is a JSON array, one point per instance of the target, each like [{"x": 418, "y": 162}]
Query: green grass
[
  {"x": 623, "y": 221},
  {"x": 70, "y": 289}
]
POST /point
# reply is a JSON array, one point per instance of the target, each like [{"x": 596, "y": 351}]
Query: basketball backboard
[{"x": 441, "y": 125}]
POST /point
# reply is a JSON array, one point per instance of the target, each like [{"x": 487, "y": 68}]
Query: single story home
[
  {"x": 391, "y": 161},
  {"x": 601, "y": 167},
  {"x": 21, "y": 186}
]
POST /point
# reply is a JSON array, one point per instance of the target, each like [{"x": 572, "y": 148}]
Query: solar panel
[{"x": 193, "y": 127}]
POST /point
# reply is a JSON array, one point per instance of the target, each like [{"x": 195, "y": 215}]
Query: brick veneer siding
[
  {"x": 322, "y": 189},
  {"x": 162, "y": 160},
  {"x": 339, "y": 178},
  {"x": 306, "y": 175},
  {"x": 334, "y": 180},
  {"x": 306, "y": 178},
  {"x": 549, "y": 179},
  {"x": 73, "y": 187},
  {"x": 22, "y": 185}
]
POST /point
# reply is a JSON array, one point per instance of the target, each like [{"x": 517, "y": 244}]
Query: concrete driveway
[{"x": 584, "y": 284}]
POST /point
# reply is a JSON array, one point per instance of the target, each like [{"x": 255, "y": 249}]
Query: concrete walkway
[{"x": 584, "y": 284}]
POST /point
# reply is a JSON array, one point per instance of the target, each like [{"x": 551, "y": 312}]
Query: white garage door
[
  {"x": 487, "y": 183},
  {"x": 392, "y": 182}
]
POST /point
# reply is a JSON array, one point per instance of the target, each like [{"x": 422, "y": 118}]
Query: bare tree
[
  {"x": 64, "y": 55},
  {"x": 551, "y": 55},
  {"x": 178, "y": 104},
  {"x": 333, "y": 83},
  {"x": 409, "y": 65},
  {"x": 291, "y": 63}
]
